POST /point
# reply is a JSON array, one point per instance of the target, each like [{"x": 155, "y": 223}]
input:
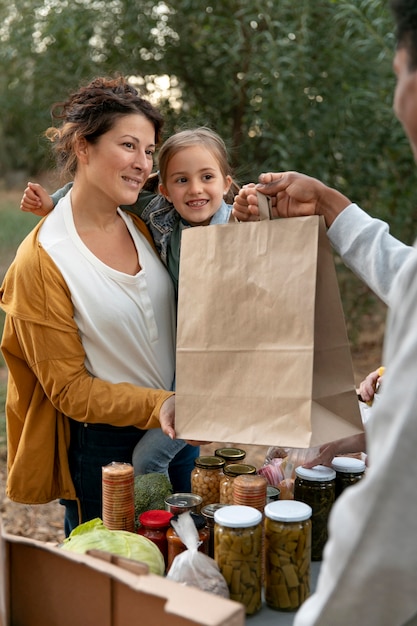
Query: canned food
[{"x": 181, "y": 502}]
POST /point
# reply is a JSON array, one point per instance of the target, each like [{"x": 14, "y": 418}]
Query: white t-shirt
[{"x": 127, "y": 323}]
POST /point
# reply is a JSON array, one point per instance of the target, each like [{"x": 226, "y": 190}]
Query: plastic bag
[
  {"x": 279, "y": 467},
  {"x": 192, "y": 567}
]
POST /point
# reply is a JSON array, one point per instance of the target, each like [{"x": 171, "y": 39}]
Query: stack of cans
[
  {"x": 250, "y": 490},
  {"x": 118, "y": 496}
]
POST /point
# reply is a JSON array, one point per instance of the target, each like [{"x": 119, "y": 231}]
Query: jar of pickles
[
  {"x": 316, "y": 487},
  {"x": 205, "y": 478},
  {"x": 231, "y": 455},
  {"x": 238, "y": 553},
  {"x": 287, "y": 554},
  {"x": 349, "y": 471},
  {"x": 226, "y": 482}
]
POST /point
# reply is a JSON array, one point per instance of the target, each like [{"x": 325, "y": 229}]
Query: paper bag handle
[{"x": 264, "y": 205}]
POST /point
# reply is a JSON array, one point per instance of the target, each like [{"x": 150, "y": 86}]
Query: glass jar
[
  {"x": 287, "y": 554},
  {"x": 208, "y": 513},
  {"x": 205, "y": 478},
  {"x": 231, "y": 455},
  {"x": 226, "y": 482},
  {"x": 175, "y": 544},
  {"x": 154, "y": 525},
  {"x": 349, "y": 471},
  {"x": 316, "y": 487},
  {"x": 238, "y": 553}
]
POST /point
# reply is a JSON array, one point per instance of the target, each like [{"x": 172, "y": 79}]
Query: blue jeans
[
  {"x": 156, "y": 452},
  {"x": 94, "y": 445}
]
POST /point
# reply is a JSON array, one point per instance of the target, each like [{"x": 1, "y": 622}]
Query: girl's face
[
  {"x": 195, "y": 184},
  {"x": 117, "y": 166}
]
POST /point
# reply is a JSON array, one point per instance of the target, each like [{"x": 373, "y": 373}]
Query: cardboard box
[{"x": 43, "y": 585}]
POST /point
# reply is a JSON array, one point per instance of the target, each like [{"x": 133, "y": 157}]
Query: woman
[{"x": 89, "y": 336}]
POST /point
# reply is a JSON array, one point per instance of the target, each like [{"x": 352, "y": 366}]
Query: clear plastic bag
[
  {"x": 279, "y": 467},
  {"x": 192, "y": 567}
]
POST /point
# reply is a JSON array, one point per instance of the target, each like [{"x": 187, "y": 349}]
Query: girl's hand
[{"x": 36, "y": 200}]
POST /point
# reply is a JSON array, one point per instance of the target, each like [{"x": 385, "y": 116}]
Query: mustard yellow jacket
[{"x": 47, "y": 379}]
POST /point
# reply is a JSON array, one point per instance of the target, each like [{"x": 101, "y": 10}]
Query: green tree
[{"x": 289, "y": 84}]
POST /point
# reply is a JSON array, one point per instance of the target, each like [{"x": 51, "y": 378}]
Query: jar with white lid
[
  {"x": 238, "y": 553},
  {"x": 349, "y": 470},
  {"x": 287, "y": 554},
  {"x": 316, "y": 487}
]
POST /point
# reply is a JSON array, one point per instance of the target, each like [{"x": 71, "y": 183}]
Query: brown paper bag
[{"x": 262, "y": 350}]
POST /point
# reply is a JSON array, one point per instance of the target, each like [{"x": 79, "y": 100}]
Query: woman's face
[
  {"x": 118, "y": 165},
  {"x": 195, "y": 184}
]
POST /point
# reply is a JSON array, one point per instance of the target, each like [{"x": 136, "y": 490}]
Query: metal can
[
  {"x": 226, "y": 481},
  {"x": 238, "y": 553},
  {"x": 205, "y": 478},
  {"x": 287, "y": 554},
  {"x": 182, "y": 502},
  {"x": 316, "y": 487},
  {"x": 349, "y": 471}
]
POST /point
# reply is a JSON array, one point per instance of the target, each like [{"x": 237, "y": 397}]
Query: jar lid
[
  {"x": 237, "y": 469},
  {"x": 209, "y": 509},
  {"x": 155, "y": 518},
  {"x": 209, "y": 462},
  {"x": 183, "y": 500},
  {"x": 237, "y": 516},
  {"x": 348, "y": 464},
  {"x": 272, "y": 493},
  {"x": 288, "y": 511},
  {"x": 230, "y": 454},
  {"x": 319, "y": 473}
]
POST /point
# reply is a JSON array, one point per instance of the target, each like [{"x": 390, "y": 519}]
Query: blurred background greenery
[{"x": 289, "y": 84}]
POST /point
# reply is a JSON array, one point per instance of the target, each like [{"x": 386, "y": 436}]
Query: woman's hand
[{"x": 167, "y": 417}]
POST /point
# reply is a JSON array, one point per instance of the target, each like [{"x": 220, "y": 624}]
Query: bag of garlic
[{"x": 193, "y": 567}]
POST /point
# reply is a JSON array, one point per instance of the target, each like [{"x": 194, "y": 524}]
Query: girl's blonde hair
[{"x": 202, "y": 136}]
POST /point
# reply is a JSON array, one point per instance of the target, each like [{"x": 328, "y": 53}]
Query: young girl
[{"x": 196, "y": 185}]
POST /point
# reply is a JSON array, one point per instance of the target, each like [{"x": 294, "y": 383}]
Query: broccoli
[{"x": 150, "y": 492}]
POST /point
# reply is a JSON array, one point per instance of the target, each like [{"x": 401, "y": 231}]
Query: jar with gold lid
[
  {"x": 231, "y": 455},
  {"x": 205, "y": 478},
  {"x": 226, "y": 482},
  {"x": 238, "y": 553}
]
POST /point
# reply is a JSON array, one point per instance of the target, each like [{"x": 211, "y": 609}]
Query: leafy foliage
[{"x": 292, "y": 84}]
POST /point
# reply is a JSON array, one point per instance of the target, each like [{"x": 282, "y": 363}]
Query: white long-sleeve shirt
[{"x": 369, "y": 570}]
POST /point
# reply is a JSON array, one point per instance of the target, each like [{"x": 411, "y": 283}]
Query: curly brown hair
[{"x": 92, "y": 111}]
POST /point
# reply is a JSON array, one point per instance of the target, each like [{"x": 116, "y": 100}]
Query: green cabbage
[{"x": 93, "y": 535}]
